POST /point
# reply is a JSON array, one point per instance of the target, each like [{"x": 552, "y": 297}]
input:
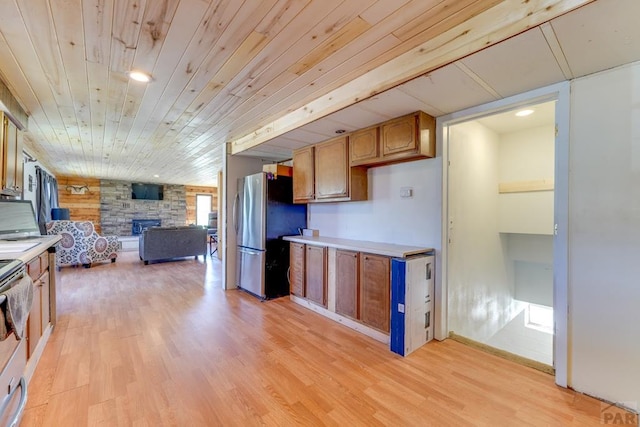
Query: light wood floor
[{"x": 163, "y": 344}]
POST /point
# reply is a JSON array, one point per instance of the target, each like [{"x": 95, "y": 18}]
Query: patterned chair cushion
[{"x": 80, "y": 243}]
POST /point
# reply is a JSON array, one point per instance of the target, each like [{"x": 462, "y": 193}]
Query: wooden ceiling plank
[
  {"x": 382, "y": 9},
  {"x": 346, "y": 35},
  {"x": 470, "y": 36},
  {"x": 156, "y": 20},
  {"x": 97, "y": 24},
  {"x": 179, "y": 35},
  {"x": 67, "y": 21},
  {"x": 324, "y": 28},
  {"x": 212, "y": 26},
  {"x": 353, "y": 53},
  {"x": 14, "y": 33},
  {"x": 37, "y": 15},
  {"x": 207, "y": 78}
]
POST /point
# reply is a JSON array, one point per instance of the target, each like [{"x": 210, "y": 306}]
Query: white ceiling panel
[
  {"x": 508, "y": 122},
  {"x": 516, "y": 65},
  {"x": 599, "y": 36},
  {"x": 357, "y": 116},
  {"x": 448, "y": 90}
]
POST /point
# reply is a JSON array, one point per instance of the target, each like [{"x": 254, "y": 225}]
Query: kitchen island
[{"x": 349, "y": 281}]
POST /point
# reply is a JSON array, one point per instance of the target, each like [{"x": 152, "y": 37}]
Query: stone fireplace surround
[{"x": 118, "y": 210}]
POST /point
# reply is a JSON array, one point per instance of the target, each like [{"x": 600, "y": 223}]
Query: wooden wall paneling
[
  {"x": 191, "y": 193},
  {"x": 82, "y": 207}
]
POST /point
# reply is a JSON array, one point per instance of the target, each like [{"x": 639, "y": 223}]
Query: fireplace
[{"x": 137, "y": 225}]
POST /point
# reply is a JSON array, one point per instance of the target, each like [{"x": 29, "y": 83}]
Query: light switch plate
[{"x": 406, "y": 192}]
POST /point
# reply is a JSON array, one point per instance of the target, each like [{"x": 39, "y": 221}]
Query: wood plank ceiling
[{"x": 227, "y": 70}]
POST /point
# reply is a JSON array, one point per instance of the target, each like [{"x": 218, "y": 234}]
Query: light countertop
[
  {"x": 26, "y": 250},
  {"x": 378, "y": 248}
]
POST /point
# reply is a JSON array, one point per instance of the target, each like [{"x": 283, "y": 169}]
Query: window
[
  {"x": 203, "y": 207},
  {"x": 539, "y": 317}
]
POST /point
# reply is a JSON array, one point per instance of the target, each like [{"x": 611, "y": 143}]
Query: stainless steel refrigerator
[{"x": 263, "y": 213}]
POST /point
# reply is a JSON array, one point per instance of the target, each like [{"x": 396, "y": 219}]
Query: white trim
[
  {"x": 355, "y": 325},
  {"x": 561, "y": 93}
]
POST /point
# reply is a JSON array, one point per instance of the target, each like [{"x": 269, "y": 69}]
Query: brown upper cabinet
[
  {"x": 329, "y": 171},
  {"x": 11, "y": 153},
  {"x": 406, "y": 138},
  {"x": 365, "y": 146},
  {"x": 303, "y": 185}
]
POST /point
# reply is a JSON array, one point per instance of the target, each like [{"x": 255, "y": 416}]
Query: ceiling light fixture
[
  {"x": 139, "y": 76},
  {"x": 524, "y": 113},
  {"x": 156, "y": 176},
  {"x": 339, "y": 131}
]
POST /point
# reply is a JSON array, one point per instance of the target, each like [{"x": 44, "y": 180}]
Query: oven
[{"x": 13, "y": 355}]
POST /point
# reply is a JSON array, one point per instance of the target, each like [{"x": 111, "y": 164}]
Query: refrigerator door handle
[
  {"x": 235, "y": 212},
  {"x": 248, "y": 251}
]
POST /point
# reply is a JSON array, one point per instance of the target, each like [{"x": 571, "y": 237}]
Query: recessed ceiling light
[
  {"x": 139, "y": 76},
  {"x": 156, "y": 176},
  {"x": 524, "y": 113}
]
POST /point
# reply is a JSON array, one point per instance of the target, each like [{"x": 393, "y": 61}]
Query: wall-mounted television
[{"x": 147, "y": 191}]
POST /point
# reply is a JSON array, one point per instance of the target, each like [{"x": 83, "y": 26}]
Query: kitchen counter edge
[
  {"x": 377, "y": 248},
  {"x": 44, "y": 242}
]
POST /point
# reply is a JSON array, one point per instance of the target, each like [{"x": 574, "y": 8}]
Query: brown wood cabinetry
[
  {"x": 303, "y": 175},
  {"x": 329, "y": 174},
  {"x": 408, "y": 137},
  {"x": 375, "y": 291},
  {"x": 11, "y": 154},
  {"x": 365, "y": 146},
  {"x": 296, "y": 268},
  {"x": 332, "y": 169},
  {"x": 40, "y": 314},
  {"x": 315, "y": 274},
  {"x": 347, "y": 282}
]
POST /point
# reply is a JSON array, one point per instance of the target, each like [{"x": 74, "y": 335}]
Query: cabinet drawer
[
  {"x": 34, "y": 268},
  {"x": 10, "y": 381}
]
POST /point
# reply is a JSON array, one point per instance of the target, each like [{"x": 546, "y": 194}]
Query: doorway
[
  {"x": 203, "y": 207},
  {"x": 500, "y": 232}
]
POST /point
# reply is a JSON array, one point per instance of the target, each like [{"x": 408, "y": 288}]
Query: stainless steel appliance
[
  {"x": 264, "y": 212},
  {"x": 13, "y": 355}
]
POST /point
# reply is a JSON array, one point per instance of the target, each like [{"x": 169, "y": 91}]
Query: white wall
[
  {"x": 527, "y": 155},
  {"x": 234, "y": 167},
  {"x": 479, "y": 290},
  {"x": 386, "y": 217},
  {"x": 604, "y": 235}
]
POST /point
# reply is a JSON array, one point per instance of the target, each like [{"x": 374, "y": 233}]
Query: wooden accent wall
[
  {"x": 82, "y": 207},
  {"x": 192, "y": 191}
]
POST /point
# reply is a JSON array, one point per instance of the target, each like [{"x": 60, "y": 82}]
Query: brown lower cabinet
[
  {"x": 347, "y": 282},
  {"x": 316, "y": 274},
  {"x": 375, "y": 291},
  {"x": 296, "y": 268}
]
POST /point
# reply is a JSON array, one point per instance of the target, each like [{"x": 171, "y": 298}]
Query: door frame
[{"x": 560, "y": 93}]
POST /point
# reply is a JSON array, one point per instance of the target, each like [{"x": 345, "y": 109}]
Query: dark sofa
[{"x": 160, "y": 243}]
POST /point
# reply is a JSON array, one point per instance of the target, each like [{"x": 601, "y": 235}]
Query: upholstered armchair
[{"x": 81, "y": 244}]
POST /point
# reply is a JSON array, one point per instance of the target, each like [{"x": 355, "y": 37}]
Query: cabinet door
[
  {"x": 375, "y": 291},
  {"x": 315, "y": 275},
  {"x": 400, "y": 136},
  {"x": 34, "y": 322},
  {"x": 332, "y": 169},
  {"x": 347, "y": 280},
  {"x": 296, "y": 269},
  {"x": 12, "y": 156},
  {"x": 45, "y": 317},
  {"x": 364, "y": 146},
  {"x": 303, "y": 184}
]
